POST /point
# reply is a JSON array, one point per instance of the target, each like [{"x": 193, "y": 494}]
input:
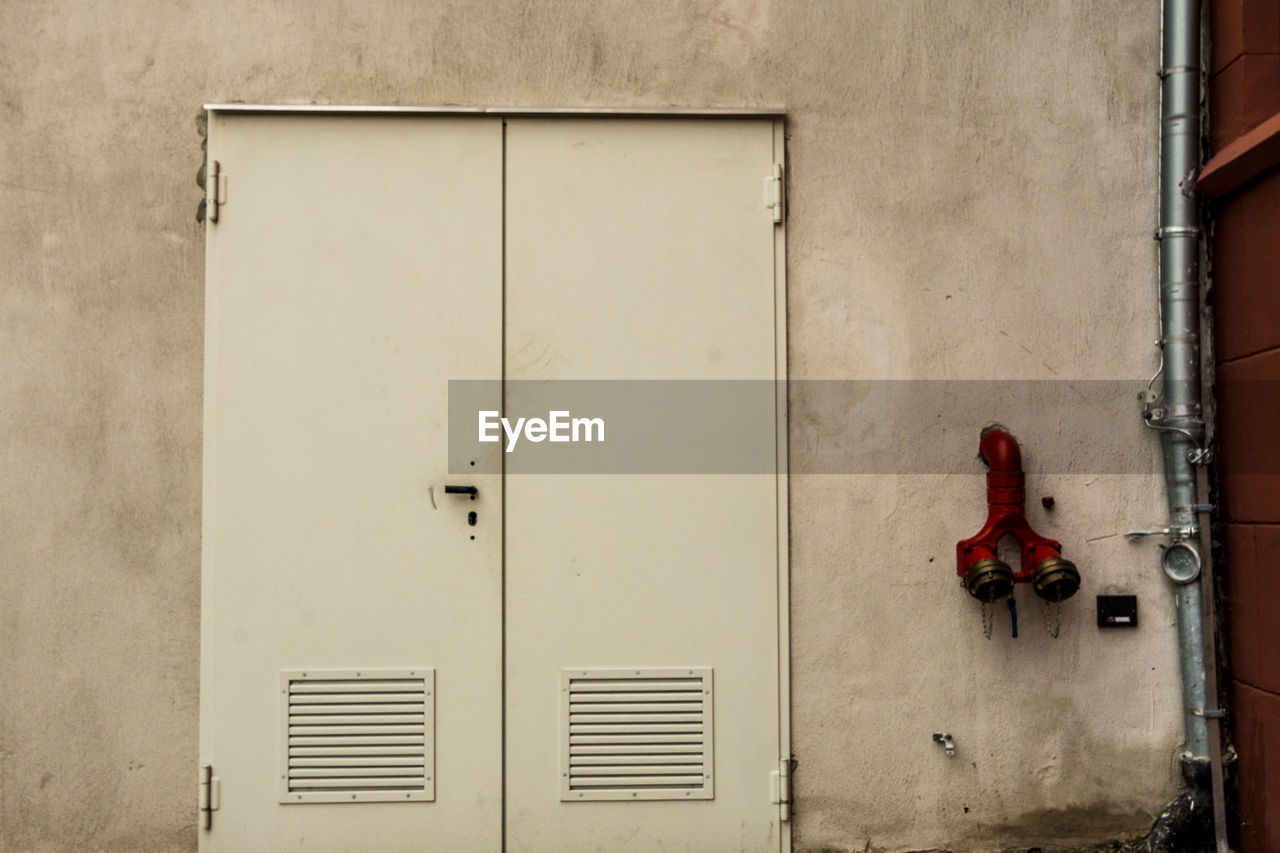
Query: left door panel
[{"x": 355, "y": 268}]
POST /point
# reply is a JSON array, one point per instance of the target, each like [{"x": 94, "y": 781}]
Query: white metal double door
[{"x": 380, "y": 673}]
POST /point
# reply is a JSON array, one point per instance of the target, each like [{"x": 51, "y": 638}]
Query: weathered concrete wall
[{"x": 971, "y": 197}]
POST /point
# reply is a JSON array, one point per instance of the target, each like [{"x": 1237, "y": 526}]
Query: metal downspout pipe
[{"x": 1181, "y": 421}]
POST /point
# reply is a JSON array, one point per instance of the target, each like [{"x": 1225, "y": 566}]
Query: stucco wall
[{"x": 970, "y": 197}]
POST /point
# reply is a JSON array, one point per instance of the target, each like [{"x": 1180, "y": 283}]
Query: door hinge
[
  {"x": 780, "y": 788},
  {"x": 215, "y": 190},
  {"x": 210, "y": 795},
  {"x": 773, "y": 193}
]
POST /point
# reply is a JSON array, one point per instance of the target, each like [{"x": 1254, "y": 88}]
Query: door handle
[{"x": 462, "y": 490}]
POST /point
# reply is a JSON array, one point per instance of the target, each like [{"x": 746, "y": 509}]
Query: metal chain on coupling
[
  {"x": 988, "y": 619},
  {"x": 1053, "y": 618}
]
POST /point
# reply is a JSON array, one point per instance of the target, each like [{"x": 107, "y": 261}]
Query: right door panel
[{"x": 641, "y": 249}]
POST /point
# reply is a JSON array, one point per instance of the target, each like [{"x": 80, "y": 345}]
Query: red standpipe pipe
[{"x": 978, "y": 558}]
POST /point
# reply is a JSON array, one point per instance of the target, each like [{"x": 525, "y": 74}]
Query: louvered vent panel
[
  {"x": 357, "y": 735},
  {"x": 636, "y": 734}
]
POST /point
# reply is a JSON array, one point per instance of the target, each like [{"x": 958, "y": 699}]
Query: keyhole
[{"x": 471, "y": 518}]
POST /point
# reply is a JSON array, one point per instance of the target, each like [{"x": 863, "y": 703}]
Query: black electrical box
[{"x": 1117, "y": 611}]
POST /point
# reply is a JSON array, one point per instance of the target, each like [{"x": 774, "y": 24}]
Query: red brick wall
[
  {"x": 1244, "y": 66},
  {"x": 1244, "y": 93}
]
